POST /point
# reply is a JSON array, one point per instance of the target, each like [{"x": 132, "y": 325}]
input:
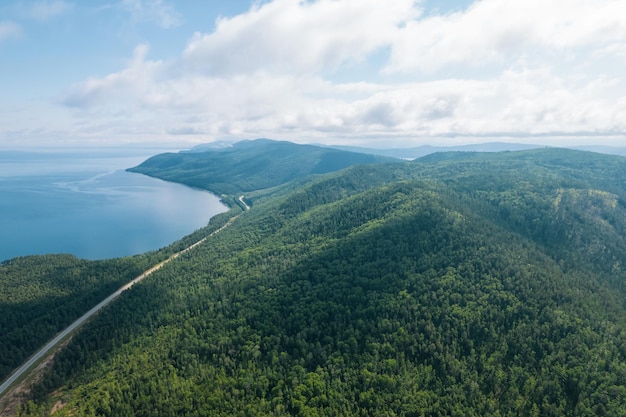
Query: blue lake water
[{"x": 86, "y": 204}]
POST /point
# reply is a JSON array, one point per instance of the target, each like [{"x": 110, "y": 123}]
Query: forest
[
  {"x": 41, "y": 295},
  {"x": 458, "y": 284},
  {"x": 250, "y": 165}
]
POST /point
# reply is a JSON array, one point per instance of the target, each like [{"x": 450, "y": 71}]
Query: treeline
[{"x": 462, "y": 286}]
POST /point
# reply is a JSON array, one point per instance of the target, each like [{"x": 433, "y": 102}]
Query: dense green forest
[
  {"x": 459, "y": 284},
  {"x": 250, "y": 165},
  {"x": 42, "y": 295}
]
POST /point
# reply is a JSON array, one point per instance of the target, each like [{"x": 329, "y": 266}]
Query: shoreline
[{"x": 101, "y": 220}]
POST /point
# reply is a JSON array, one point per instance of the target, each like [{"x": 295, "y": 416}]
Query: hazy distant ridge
[{"x": 419, "y": 151}]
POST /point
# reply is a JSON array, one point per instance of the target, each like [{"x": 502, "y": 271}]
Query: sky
[{"x": 393, "y": 73}]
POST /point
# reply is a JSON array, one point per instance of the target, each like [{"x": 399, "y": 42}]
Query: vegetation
[
  {"x": 41, "y": 295},
  {"x": 250, "y": 165},
  {"x": 455, "y": 285}
]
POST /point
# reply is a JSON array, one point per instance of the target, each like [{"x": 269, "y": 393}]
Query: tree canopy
[{"x": 454, "y": 285}]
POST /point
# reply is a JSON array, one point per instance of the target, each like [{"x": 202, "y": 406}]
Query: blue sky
[{"x": 358, "y": 72}]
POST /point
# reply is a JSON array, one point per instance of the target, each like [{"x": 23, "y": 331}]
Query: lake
[{"x": 86, "y": 204}]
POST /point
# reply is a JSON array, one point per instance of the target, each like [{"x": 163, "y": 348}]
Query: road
[
  {"x": 247, "y": 207},
  {"x": 47, "y": 349}
]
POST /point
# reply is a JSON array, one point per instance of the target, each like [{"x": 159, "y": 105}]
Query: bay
[{"x": 85, "y": 203}]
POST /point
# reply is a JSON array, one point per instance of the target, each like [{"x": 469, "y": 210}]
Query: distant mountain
[
  {"x": 610, "y": 150},
  {"x": 210, "y": 146},
  {"x": 250, "y": 165},
  {"x": 419, "y": 151}
]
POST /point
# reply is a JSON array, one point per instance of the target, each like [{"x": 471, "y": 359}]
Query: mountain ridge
[{"x": 250, "y": 165}]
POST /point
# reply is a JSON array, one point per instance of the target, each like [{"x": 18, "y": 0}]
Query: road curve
[
  {"x": 247, "y": 207},
  {"x": 48, "y": 347}
]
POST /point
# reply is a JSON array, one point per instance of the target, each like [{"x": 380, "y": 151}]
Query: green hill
[
  {"x": 41, "y": 295},
  {"x": 250, "y": 165},
  {"x": 455, "y": 285}
]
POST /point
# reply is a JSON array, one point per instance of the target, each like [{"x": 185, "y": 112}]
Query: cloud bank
[{"x": 349, "y": 69}]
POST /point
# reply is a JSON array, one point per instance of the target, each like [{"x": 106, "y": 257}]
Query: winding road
[
  {"x": 48, "y": 347},
  {"x": 247, "y": 207}
]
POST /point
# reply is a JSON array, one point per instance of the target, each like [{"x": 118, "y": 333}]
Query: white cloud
[
  {"x": 520, "y": 103},
  {"x": 300, "y": 36},
  {"x": 9, "y": 30},
  {"x": 133, "y": 83},
  {"x": 155, "y": 11},
  {"x": 617, "y": 50},
  {"x": 46, "y": 10},
  {"x": 268, "y": 72},
  {"x": 500, "y": 30}
]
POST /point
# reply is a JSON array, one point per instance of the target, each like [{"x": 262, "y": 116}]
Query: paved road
[
  {"x": 45, "y": 350},
  {"x": 247, "y": 207}
]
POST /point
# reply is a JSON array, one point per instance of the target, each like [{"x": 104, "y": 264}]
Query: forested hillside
[
  {"x": 41, "y": 295},
  {"x": 250, "y": 165},
  {"x": 456, "y": 285}
]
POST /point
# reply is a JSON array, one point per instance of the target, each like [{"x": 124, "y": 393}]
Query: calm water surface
[{"x": 85, "y": 203}]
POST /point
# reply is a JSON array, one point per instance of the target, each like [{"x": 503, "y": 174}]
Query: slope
[
  {"x": 250, "y": 165},
  {"x": 41, "y": 295},
  {"x": 447, "y": 286}
]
